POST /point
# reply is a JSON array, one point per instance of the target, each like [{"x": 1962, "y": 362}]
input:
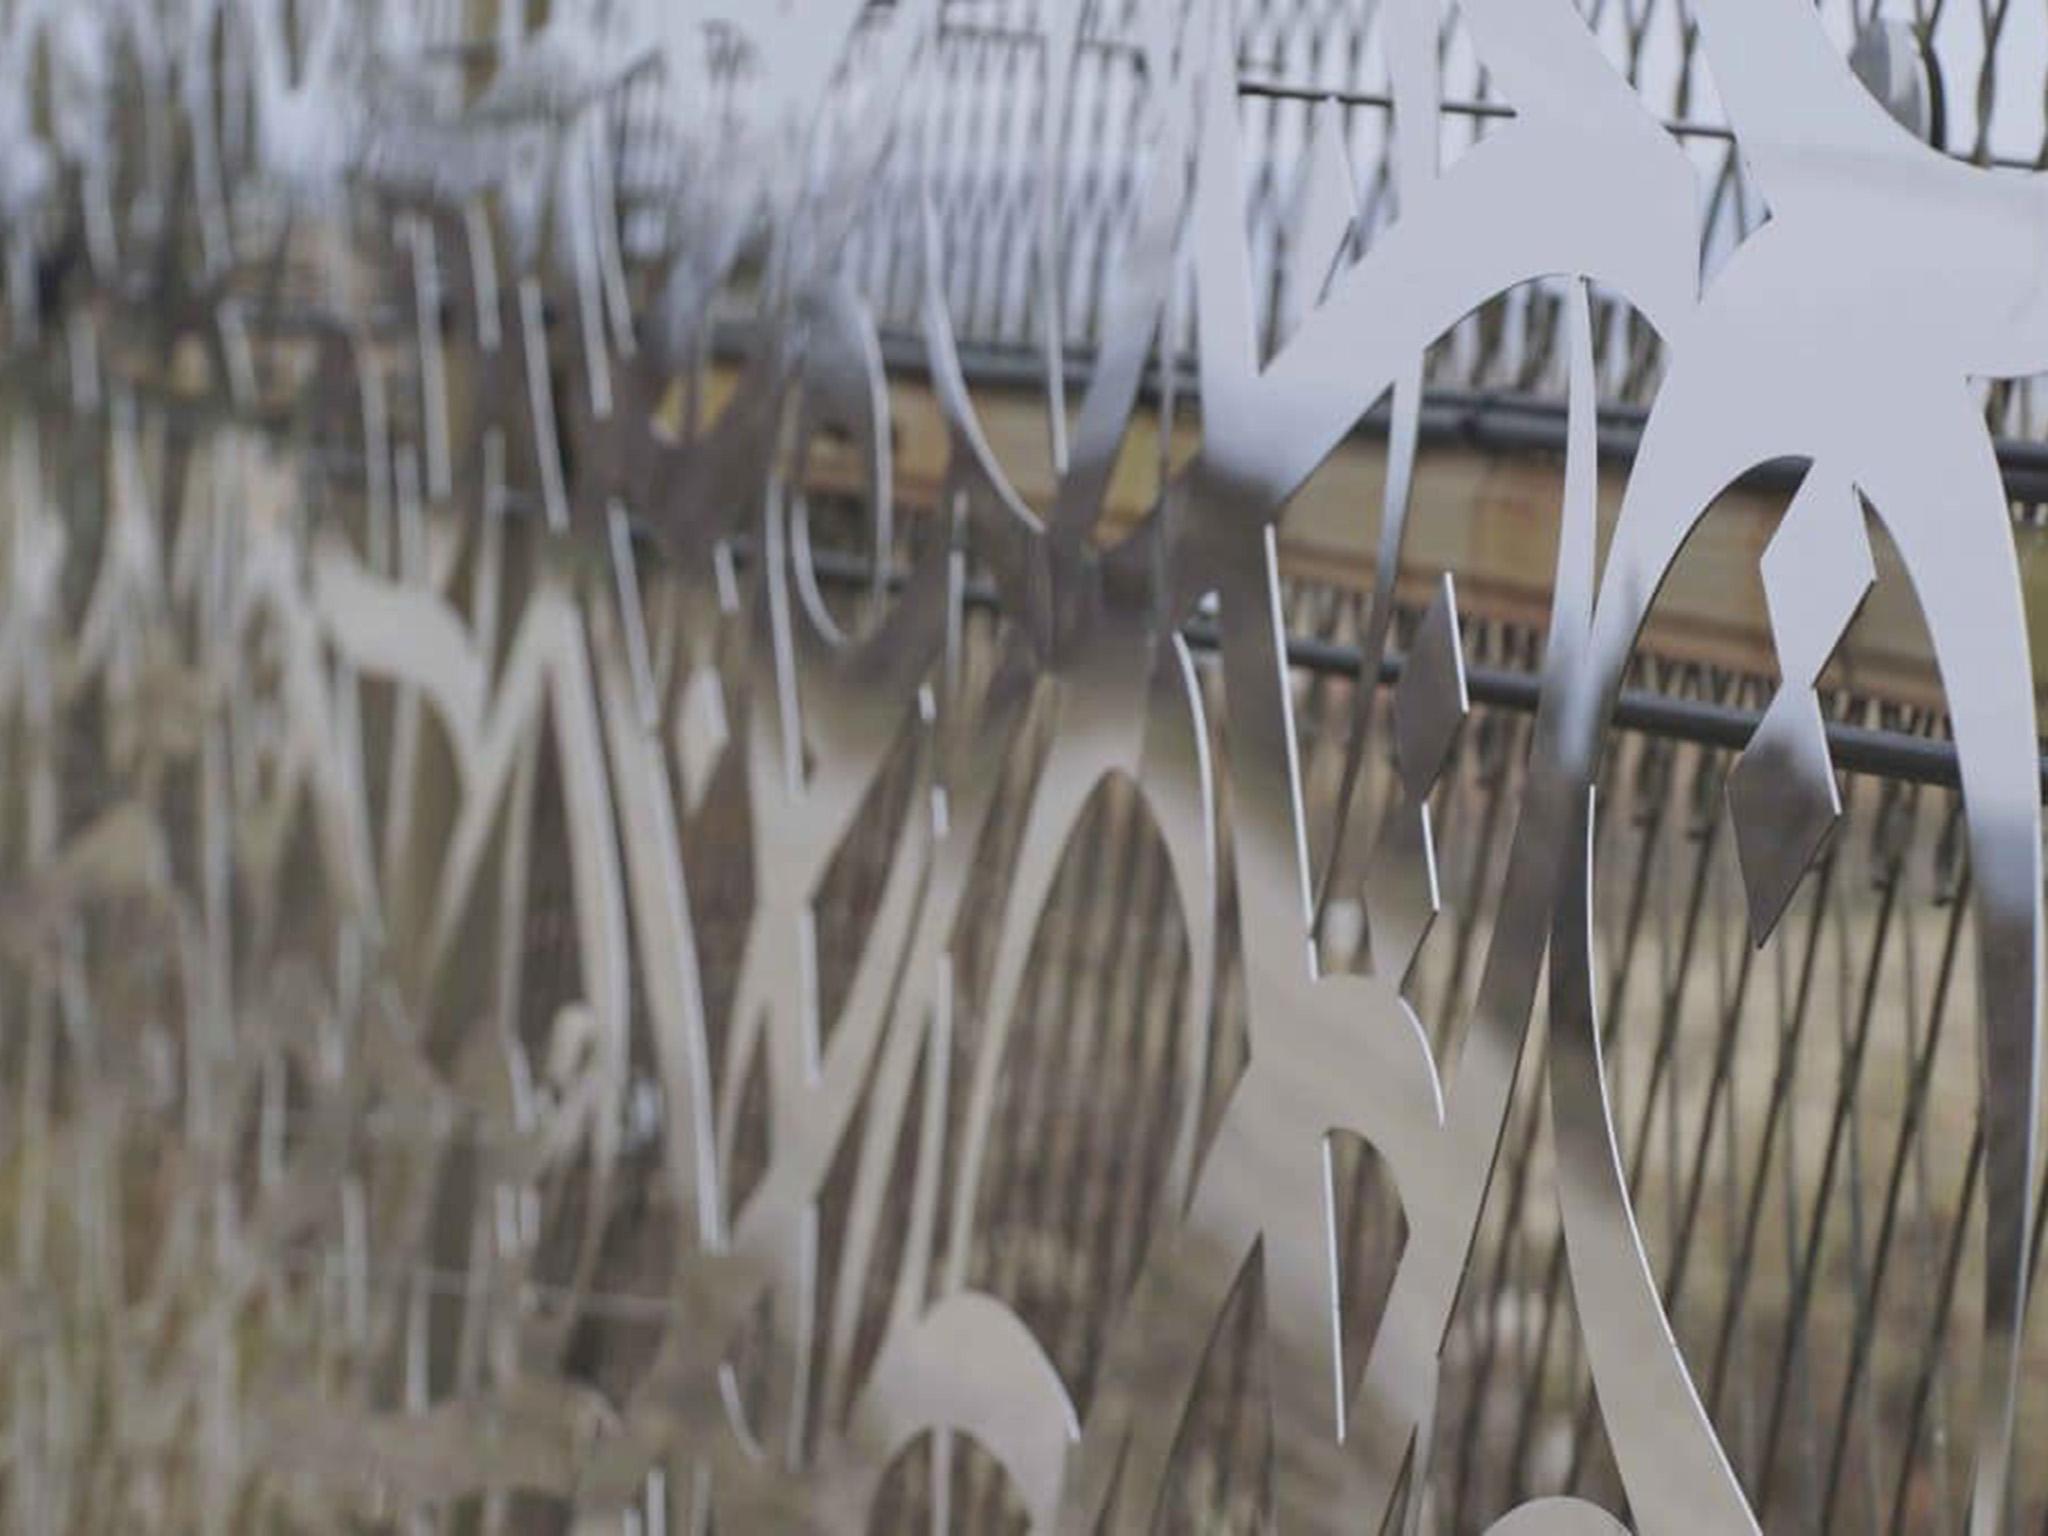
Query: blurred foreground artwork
[{"x": 693, "y": 840}]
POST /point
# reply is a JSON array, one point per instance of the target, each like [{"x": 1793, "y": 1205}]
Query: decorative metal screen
[{"x": 783, "y": 765}]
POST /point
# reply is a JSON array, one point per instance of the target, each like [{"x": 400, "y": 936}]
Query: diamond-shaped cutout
[
  {"x": 1401, "y": 893},
  {"x": 1783, "y": 797},
  {"x": 1816, "y": 570},
  {"x": 1325, "y": 209},
  {"x": 1430, "y": 702}
]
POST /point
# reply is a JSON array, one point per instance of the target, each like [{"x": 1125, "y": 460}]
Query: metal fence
[{"x": 561, "y": 962}]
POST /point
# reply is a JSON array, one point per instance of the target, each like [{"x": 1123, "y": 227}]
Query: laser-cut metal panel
[{"x": 557, "y": 973}]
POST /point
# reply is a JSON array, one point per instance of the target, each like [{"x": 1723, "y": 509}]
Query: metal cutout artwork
[{"x": 529, "y": 875}]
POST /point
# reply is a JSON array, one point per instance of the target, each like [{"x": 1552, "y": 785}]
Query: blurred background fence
[{"x": 283, "y": 1188}]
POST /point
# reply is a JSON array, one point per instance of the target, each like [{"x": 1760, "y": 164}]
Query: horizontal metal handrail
[{"x": 1860, "y": 749}]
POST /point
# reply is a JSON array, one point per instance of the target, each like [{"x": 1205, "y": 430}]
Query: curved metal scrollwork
[{"x": 520, "y": 553}]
